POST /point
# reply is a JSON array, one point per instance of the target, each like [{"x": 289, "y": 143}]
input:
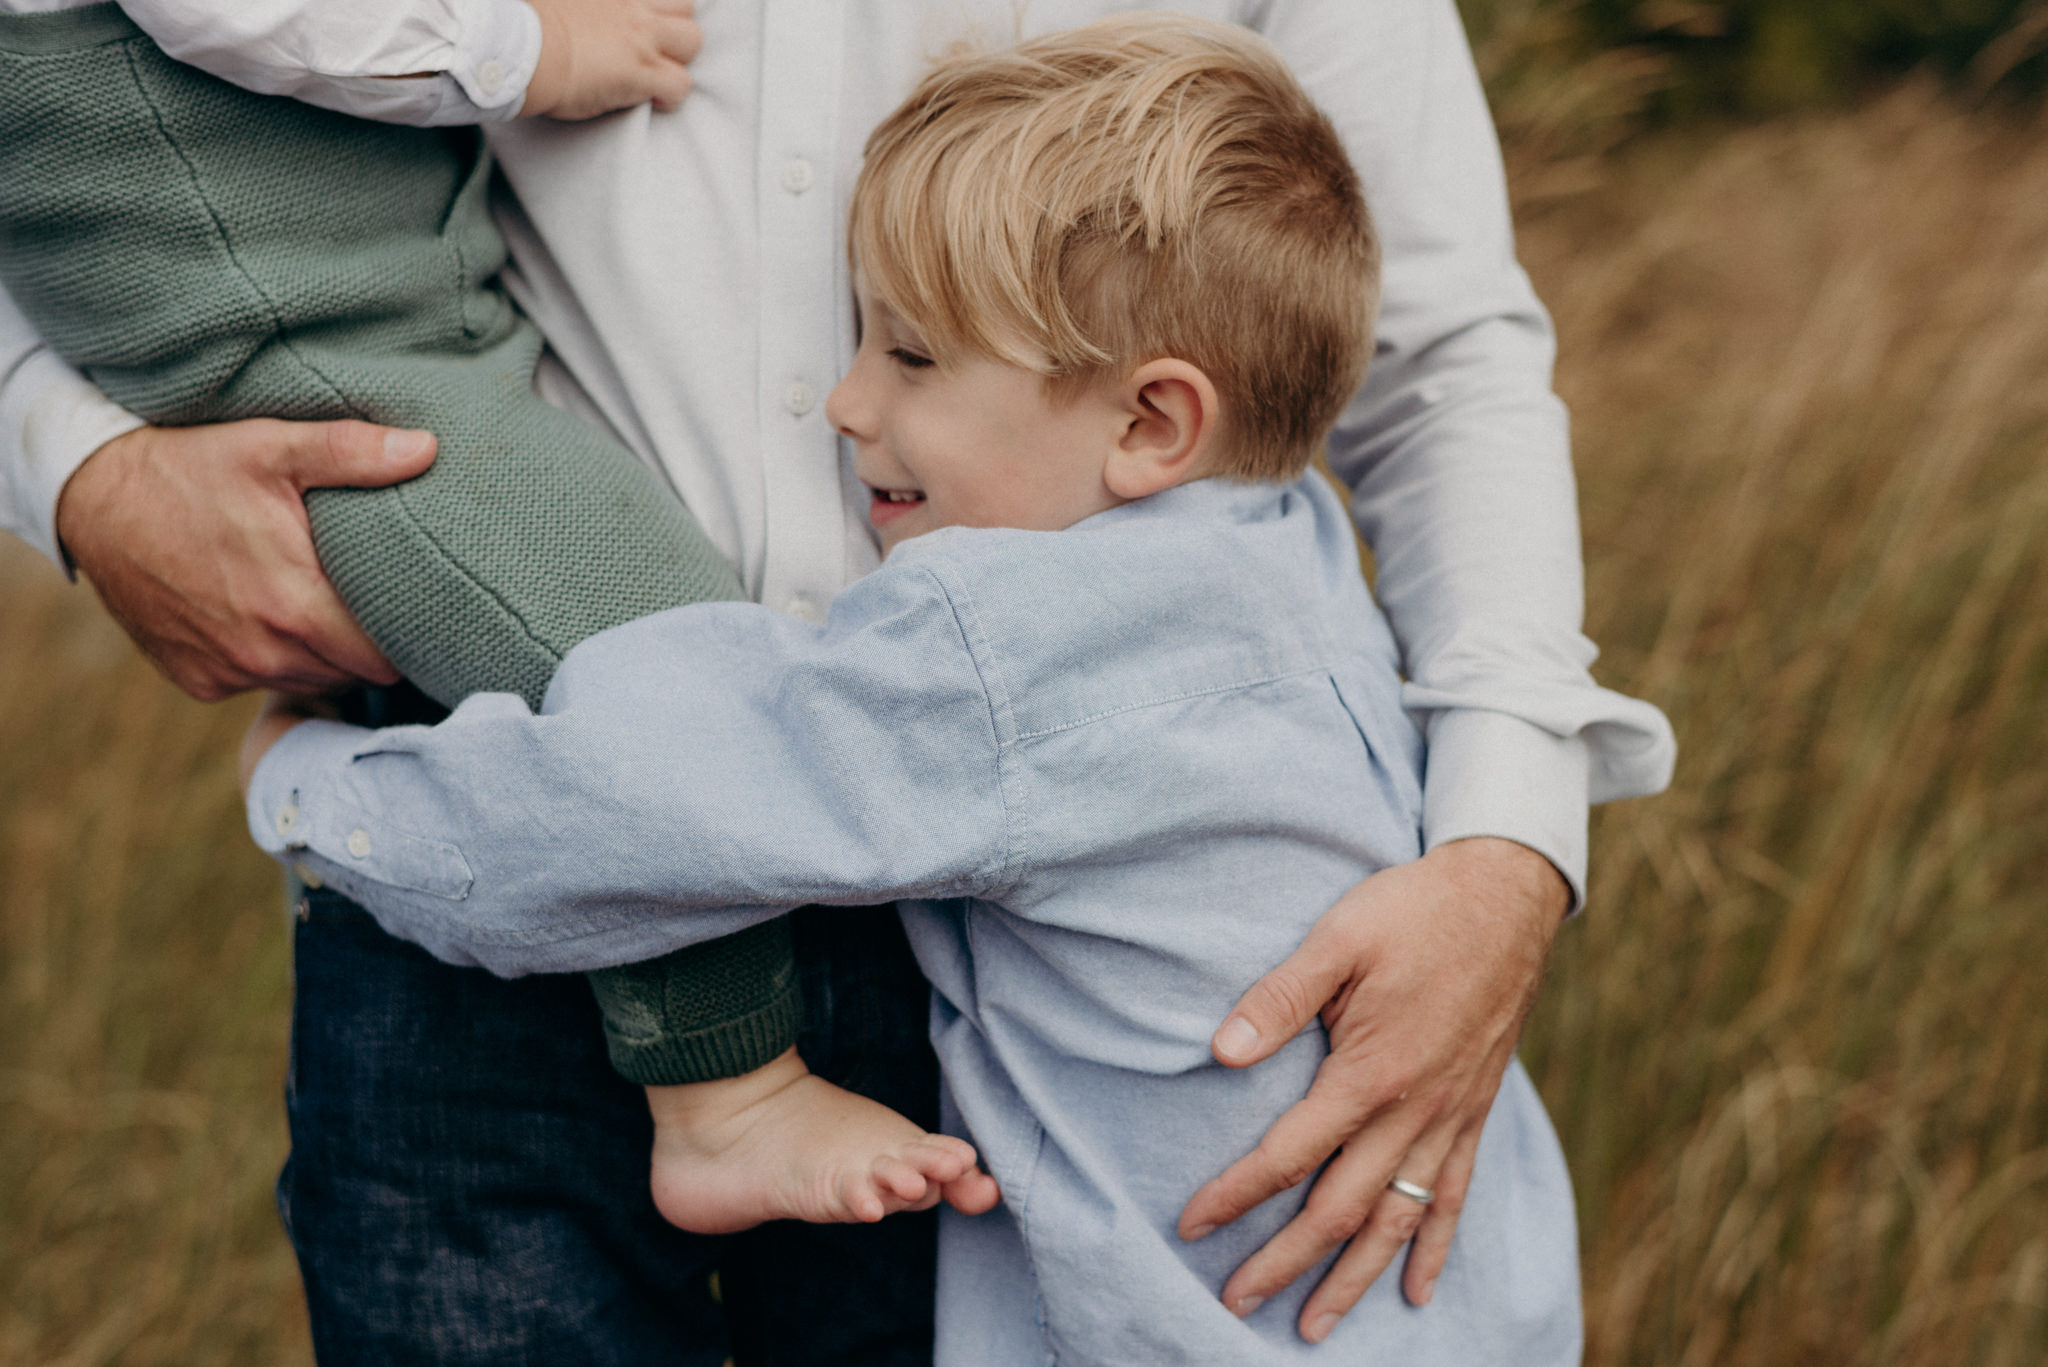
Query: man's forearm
[{"x": 1458, "y": 456}]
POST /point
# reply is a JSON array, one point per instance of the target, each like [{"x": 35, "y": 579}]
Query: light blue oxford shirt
[{"x": 1124, "y": 767}]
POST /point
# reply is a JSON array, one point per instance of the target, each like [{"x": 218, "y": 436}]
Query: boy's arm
[
  {"x": 1457, "y": 453},
  {"x": 718, "y": 759}
]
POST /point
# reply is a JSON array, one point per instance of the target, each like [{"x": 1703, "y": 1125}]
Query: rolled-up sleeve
[
  {"x": 422, "y": 62},
  {"x": 689, "y": 774},
  {"x": 1457, "y": 451}
]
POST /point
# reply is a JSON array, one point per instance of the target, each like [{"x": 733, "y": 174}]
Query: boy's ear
[{"x": 1171, "y": 415}]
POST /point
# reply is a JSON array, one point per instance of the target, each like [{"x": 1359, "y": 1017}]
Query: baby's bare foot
[{"x": 780, "y": 1144}]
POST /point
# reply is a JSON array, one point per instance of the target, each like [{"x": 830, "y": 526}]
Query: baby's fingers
[{"x": 678, "y": 34}]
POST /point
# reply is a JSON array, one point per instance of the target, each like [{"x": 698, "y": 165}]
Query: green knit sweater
[{"x": 205, "y": 254}]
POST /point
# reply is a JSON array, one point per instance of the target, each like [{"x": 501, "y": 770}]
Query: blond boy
[{"x": 1118, "y": 681}]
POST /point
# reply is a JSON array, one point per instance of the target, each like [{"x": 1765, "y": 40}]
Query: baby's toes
[
  {"x": 974, "y": 1193},
  {"x": 863, "y": 1202},
  {"x": 941, "y": 1157},
  {"x": 896, "y": 1179}
]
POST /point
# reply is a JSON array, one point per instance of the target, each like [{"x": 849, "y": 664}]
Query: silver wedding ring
[{"x": 1412, "y": 1190}]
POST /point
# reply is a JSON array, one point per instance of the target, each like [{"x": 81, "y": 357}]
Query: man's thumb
[
  {"x": 356, "y": 455},
  {"x": 1279, "y": 1006}
]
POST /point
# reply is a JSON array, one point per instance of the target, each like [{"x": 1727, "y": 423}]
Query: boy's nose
[{"x": 845, "y": 410}]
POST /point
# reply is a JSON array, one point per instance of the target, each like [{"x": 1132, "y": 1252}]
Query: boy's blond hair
[{"x": 1150, "y": 185}]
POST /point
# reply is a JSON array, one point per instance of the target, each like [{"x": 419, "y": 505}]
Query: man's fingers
[
  {"x": 348, "y": 454},
  {"x": 1433, "y": 1241},
  {"x": 1280, "y": 1005},
  {"x": 1393, "y": 1221},
  {"x": 333, "y": 636},
  {"x": 283, "y": 663},
  {"x": 1343, "y": 1197},
  {"x": 1298, "y": 1143}
]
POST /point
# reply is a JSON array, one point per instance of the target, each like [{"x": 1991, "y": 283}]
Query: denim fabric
[
  {"x": 1133, "y": 762},
  {"x": 468, "y": 1178}
]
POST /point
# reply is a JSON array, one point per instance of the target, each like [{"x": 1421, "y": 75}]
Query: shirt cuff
[
  {"x": 301, "y": 813},
  {"x": 60, "y": 418},
  {"x": 495, "y": 57},
  {"x": 480, "y": 77},
  {"x": 1490, "y": 774}
]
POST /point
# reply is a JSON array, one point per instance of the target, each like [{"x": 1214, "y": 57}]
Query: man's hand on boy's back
[
  {"x": 597, "y": 56},
  {"x": 196, "y": 539},
  {"x": 1423, "y": 974}
]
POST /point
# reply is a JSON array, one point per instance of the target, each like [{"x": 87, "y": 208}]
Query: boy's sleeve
[
  {"x": 421, "y": 62},
  {"x": 717, "y": 759},
  {"x": 1458, "y": 453}
]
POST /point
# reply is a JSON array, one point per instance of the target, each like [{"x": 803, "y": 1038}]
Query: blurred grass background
[{"x": 1798, "y": 254}]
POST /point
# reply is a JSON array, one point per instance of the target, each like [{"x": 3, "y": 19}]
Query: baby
[
  {"x": 206, "y": 253},
  {"x": 1117, "y": 711}
]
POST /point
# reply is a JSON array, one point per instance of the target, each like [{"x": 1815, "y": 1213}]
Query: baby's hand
[{"x": 600, "y": 55}]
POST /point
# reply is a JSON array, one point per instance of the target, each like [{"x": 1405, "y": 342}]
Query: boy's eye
[{"x": 904, "y": 356}]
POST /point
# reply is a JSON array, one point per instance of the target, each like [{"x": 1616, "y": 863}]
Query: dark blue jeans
[{"x": 468, "y": 1178}]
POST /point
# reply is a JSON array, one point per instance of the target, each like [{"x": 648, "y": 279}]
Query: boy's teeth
[{"x": 901, "y": 495}]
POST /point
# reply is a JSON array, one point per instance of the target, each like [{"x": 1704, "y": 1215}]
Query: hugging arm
[
  {"x": 1457, "y": 454},
  {"x": 719, "y": 759}
]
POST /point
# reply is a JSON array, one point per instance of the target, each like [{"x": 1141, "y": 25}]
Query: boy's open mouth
[{"x": 889, "y": 504}]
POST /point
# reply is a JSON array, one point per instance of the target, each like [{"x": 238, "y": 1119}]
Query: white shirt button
[
  {"x": 359, "y": 843},
  {"x": 287, "y": 819},
  {"x": 490, "y": 77},
  {"x": 797, "y": 175},
  {"x": 799, "y": 398},
  {"x": 307, "y": 876},
  {"x": 804, "y": 606}
]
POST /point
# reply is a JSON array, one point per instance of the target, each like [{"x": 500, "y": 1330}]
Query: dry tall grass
[
  {"x": 143, "y": 998},
  {"x": 1797, "y": 1050},
  {"x": 1794, "y": 1049}
]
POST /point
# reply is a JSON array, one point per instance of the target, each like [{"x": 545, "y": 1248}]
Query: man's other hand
[
  {"x": 600, "y": 55},
  {"x": 197, "y": 541},
  {"x": 1423, "y": 975}
]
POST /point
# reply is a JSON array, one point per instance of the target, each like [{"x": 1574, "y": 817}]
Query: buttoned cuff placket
[
  {"x": 300, "y": 813},
  {"x": 495, "y": 56}
]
